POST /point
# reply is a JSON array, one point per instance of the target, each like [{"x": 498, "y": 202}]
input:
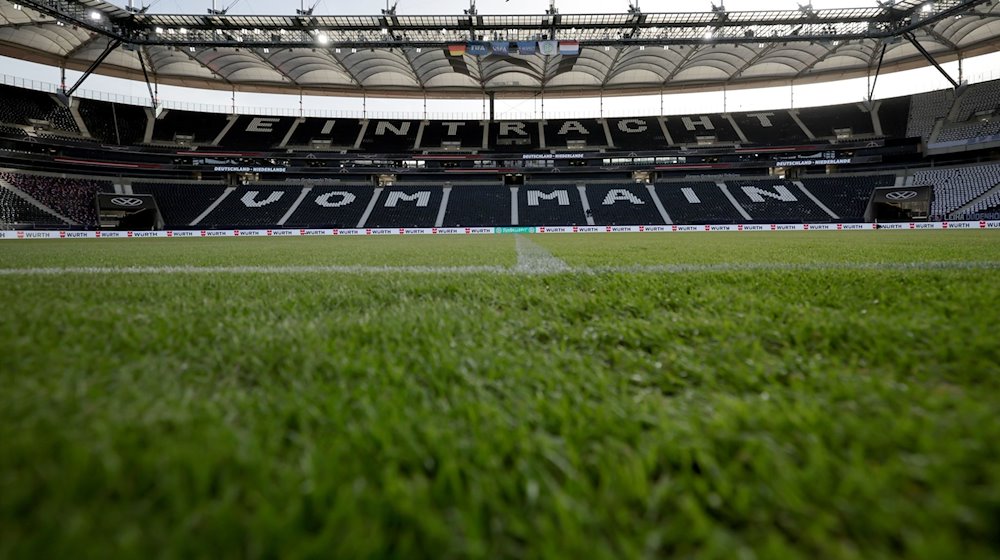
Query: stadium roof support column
[
  {"x": 112, "y": 45},
  {"x": 930, "y": 58},
  {"x": 873, "y": 80}
]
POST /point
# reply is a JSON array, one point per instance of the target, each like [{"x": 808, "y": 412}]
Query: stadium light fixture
[
  {"x": 159, "y": 30},
  {"x": 927, "y": 7},
  {"x": 95, "y": 15},
  {"x": 18, "y": 7},
  {"x": 322, "y": 39}
]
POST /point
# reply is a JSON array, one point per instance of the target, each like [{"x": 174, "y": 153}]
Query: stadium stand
[
  {"x": 550, "y": 205},
  {"x": 825, "y": 122},
  {"x": 334, "y": 206},
  {"x": 580, "y": 133},
  {"x": 406, "y": 207},
  {"x": 926, "y": 109},
  {"x": 12, "y": 131},
  {"x": 623, "y": 205},
  {"x": 441, "y": 135},
  {"x": 478, "y": 205},
  {"x": 697, "y": 203},
  {"x": 114, "y": 123},
  {"x": 770, "y": 128},
  {"x": 514, "y": 136},
  {"x": 256, "y": 133},
  {"x": 73, "y": 198},
  {"x": 847, "y": 197},
  {"x": 701, "y": 129},
  {"x": 202, "y": 128},
  {"x": 22, "y": 106},
  {"x": 988, "y": 208},
  {"x": 955, "y": 187},
  {"x": 389, "y": 137},
  {"x": 776, "y": 202},
  {"x": 15, "y": 212},
  {"x": 967, "y": 131},
  {"x": 980, "y": 98},
  {"x": 333, "y": 133},
  {"x": 180, "y": 204},
  {"x": 636, "y": 133},
  {"x": 251, "y": 207}
]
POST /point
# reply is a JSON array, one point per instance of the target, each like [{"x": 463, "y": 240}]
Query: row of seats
[
  {"x": 15, "y": 212},
  {"x": 74, "y": 199},
  {"x": 21, "y": 106},
  {"x": 955, "y": 187}
]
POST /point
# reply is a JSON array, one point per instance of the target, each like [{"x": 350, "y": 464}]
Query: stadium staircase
[
  {"x": 976, "y": 203},
  {"x": 34, "y": 202}
]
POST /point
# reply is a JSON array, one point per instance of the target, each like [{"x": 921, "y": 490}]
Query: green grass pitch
[{"x": 820, "y": 395}]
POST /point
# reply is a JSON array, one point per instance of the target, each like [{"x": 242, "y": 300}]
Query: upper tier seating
[
  {"x": 550, "y": 205},
  {"x": 256, "y": 133},
  {"x": 623, "y": 205},
  {"x": 981, "y": 98},
  {"x": 390, "y": 137},
  {"x": 204, "y": 127},
  {"x": 73, "y": 198},
  {"x": 180, "y": 204},
  {"x": 637, "y": 134},
  {"x": 337, "y": 133},
  {"x": 847, "y": 197},
  {"x": 953, "y": 188},
  {"x": 114, "y": 123},
  {"x": 823, "y": 122},
  {"x": 775, "y": 201},
  {"x": 926, "y": 109},
  {"x": 697, "y": 203},
  {"x": 478, "y": 206},
  {"x": 464, "y": 135},
  {"x": 20, "y": 106},
  {"x": 969, "y": 130},
  {"x": 514, "y": 136},
  {"x": 771, "y": 128},
  {"x": 577, "y": 133},
  {"x": 15, "y": 212},
  {"x": 686, "y": 130}
]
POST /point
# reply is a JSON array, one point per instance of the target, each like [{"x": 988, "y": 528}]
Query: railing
[{"x": 640, "y": 108}]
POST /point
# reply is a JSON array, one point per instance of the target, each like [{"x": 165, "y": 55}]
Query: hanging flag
[
  {"x": 527, "y": 48},
  {"x": 548, "y": 48},
  {"x": 569, "y": 48},
  {"x": 500, "y": 48},
  {"x": 456, "y": 50},
  {"x": 479, "y": 49}
]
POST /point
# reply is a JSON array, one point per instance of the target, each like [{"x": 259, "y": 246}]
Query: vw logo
[
  {"x": 901, "y": 195},
  {"x": 125, "y": 201}
]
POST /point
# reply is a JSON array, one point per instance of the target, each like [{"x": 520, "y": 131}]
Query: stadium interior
[{"x": 217, "y": 170}]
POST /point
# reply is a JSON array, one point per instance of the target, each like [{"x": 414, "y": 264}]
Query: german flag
[{"x": 456, "y": 49}]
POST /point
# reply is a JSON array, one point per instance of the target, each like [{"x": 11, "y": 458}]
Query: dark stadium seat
[
  {"x": 770, "y": 128},
  {"x": 203, "y": 127},
  {"x": 340, "y": 206},
  {"x": 623, "y": 205},
  {"x": 406, "y": 207},
  {"x": 390, "y": 137},
  {"x": 847, "y": 197},
  {"x": 180, "y": 204},
  {"x": 21, "y": 106},
  {"x": 711, "y": 129},
  {"x": 251, "y": 132},
  {"x": 550, "y": 205},
  {"x": 478, "y": 205},
  {"x": 775, "y": 201},
  {"x": 335, "y": 133},
  {"x": 697, "y": 203},
  {"x": 454, "y": 135},
  {"x": 114, "y": 123},
  {"x": 514, "y": 136},
  {"x": 578, "y": 133},
  {"x": 73, "y": 198},
  {"x": 15, "y": 212},
  {"x": 637, "y": 134},
  {"x": 824, "y": 122},
  {"x": 255, "y": 206}
]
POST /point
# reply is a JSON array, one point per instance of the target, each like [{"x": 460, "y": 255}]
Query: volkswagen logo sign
[
  {"x": 901, "y": 195},
  {"x": 126, "y": 201}
]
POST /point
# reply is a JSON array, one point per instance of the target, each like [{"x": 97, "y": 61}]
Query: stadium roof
[{"x": 407, "y": 55}]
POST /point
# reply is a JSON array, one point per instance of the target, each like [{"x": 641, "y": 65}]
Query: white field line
[
  {"x": 532, "y": 258},
  {"x": 530, "y": 268}
]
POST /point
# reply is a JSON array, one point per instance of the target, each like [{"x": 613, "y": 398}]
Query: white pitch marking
[
  {"x": 528, "y": 264},
  {"x": 532, "y": 258}
]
